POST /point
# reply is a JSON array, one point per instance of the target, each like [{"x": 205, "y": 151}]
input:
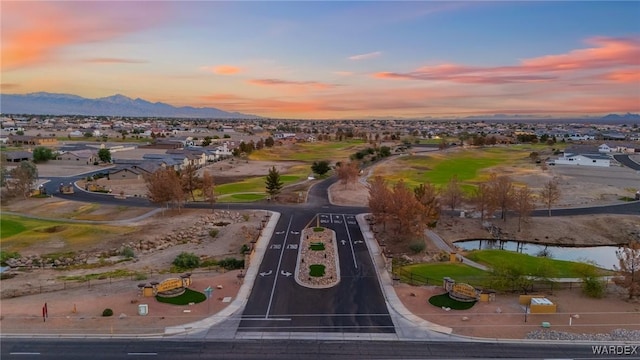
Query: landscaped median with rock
[{"x": 317, "y": 265}]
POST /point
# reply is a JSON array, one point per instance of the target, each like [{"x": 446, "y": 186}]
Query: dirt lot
[{"x": 23, "y": 314}]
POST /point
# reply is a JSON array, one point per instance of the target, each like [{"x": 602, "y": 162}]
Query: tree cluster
[
  {"x": 402, "y": 211},
  {"x": 168, "y": 186}
]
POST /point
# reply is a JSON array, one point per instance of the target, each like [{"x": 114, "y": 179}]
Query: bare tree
[
  {"x": 427, "y": 196},
  {"x": 501, "y": 193},
  {"x": 347, "y": 172},
  {"x": 452, "y": 194},
  {"x": 380, "y": 201},
  {"x": 482, "y": 200},
  {"x": 406, "y": 211},
  {"x": 629, "y": 268},
  {"x": 164, "y": 186},
  {"x": 550, "y": 194},
  {"x": 523, "y": 203},
  {"x": 208, "y": 188},
  {"x": 190, "y": 180},
  {"x": 23, "y": 178}
]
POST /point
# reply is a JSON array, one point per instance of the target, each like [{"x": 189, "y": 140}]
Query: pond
[{"x": 604, "y": 256}]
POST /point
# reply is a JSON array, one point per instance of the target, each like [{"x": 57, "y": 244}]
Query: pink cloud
[
  {"x": 606, "y": 53},
  {"x": 623, "y": 76},
  {"x": 298, "y": 85},
  {"x": 114, "y": 61},
  {"x": 35, "y": 32}
]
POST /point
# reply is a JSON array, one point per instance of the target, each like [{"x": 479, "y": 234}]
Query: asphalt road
[
  {"x": 107, "y": 349},
  {"x": 278, "y": 303},
  {"x": 626, "y": 161}
]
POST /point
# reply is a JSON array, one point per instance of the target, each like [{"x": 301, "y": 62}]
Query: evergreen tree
[
  {"x": 320, "y": 167},
  {"x": 273, "y": 182}
]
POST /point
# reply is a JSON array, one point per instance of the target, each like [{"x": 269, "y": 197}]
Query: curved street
[{"x": 347, "y": 316}]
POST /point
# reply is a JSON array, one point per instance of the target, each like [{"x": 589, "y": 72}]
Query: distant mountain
[
  {"x": 625, "y": 117},
  {"x": 43, "y": 103}
]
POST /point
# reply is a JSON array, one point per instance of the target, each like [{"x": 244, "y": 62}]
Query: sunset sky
[{"x": 332, "y": 59}]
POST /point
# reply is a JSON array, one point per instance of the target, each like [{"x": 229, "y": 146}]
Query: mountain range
[{"x": 44, "y": 103}]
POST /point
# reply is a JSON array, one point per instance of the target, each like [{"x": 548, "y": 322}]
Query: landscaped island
[{"x": 317, "y": 265}]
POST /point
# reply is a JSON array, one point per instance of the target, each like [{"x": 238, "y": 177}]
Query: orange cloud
[
  {"x": 35, "y": 32},
  {"x": 226, "y": 70},
  {"x": 220, "y": 97},
  {"x": 296, "y": 85},
  {"x": 607, "y": 53},
  {"x": 114, "y": 61},
  {"x": 9, "y": 86}
]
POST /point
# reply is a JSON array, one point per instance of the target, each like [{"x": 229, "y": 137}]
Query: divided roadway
[{"x": 278, "y": 303}]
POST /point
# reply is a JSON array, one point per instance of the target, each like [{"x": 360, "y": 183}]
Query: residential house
[
  {"x": 32, "y": 140},
  {"x": 17, "y": 156},
  {"x": 85, "y": 157},
  {"x": 604, "y": 148},
  {"x": 592, "y": 159}
]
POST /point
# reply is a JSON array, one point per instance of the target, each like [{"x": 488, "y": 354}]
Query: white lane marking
[
  {"x": 142, "y": 354},
  {"x": 24, "y": 353},
  {"x": 355, "y": 262},
  {"x": 273, "y": 289},
  {"x": 266, "y": 273}
]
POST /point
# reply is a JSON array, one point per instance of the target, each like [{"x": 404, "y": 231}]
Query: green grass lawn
[
  {"x": 528, "y": 264},
  {"x": 189, "y": 296},
  {"x": 243, "y": 197},
  {"x": 317, "y": 246},
  {"x": 309, "y": 152},
  {"x": 435, "y": 272},
  {"x": 257, "y": 184},
  {"x": 468, "y": 165},
  {"x": 23, "y": 232},
  {"x": 443, "y": 300},
  {"x": 9, "y": 227}
]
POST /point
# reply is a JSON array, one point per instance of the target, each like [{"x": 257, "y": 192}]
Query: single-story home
[
  {"x": 18, "y": 156},
  {"x": 584, "y": 159}
]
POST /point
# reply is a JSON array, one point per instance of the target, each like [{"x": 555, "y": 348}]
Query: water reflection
[{"x": 604, "y": 256}]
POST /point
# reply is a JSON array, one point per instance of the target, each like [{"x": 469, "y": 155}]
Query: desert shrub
[
  {"x": 127, "y": 252},
  {"x": 140, "y": 276},
  {"x": 107, "y": 312},
  {"x": 214, "y": 232},
  {"x": 417, "y": 246},
  {"x": 231, "y": 264},
  {"x": 221, "y": 223},
  {"x": 593, "y": 287},
  {"x": 244, "y": 249},
  {"x": 186, "y": 260},
  {"x": 245, "y": 217}
]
